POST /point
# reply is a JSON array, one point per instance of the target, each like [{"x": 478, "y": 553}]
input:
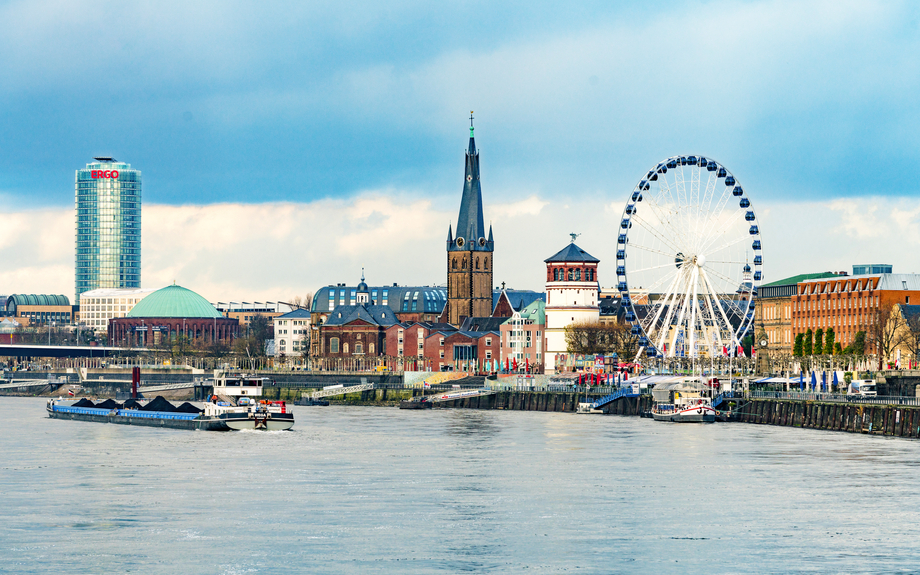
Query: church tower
[{"x": 469, "y": 255}]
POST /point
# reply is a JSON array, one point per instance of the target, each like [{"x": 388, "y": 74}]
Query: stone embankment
[{"x": 895, "y": 420}]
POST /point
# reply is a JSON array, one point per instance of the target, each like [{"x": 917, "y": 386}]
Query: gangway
[
  {"x": 329, "y": 392},
  {"x": 623, "y": 392},
  {"x": 31, "y": 383},
  {"x": 452, "y": 395},
  {"x": 162, "y": 387}
]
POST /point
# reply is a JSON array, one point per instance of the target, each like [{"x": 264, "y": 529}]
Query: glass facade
[{"x": 108, "y": 226}]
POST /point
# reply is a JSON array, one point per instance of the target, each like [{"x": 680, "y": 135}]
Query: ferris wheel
[{"x": 689, "y": 259}]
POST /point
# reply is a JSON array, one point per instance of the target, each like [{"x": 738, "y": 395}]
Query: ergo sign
[{"x": 104, "y": 174}]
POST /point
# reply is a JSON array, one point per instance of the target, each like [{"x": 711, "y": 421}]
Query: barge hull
[{"x": 188, "y": 424}]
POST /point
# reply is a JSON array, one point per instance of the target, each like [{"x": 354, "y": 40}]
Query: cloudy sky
[{"x": 286, "y": 145}]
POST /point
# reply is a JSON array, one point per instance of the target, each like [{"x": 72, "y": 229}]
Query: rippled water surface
[{"x": 379, "y": 490}]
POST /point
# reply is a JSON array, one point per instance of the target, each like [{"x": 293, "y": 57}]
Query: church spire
[{"x": 470, "y": 224}]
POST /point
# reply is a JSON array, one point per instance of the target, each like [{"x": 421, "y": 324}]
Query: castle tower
[
  {"x": 572, "y": 290},
  {"x": 469, "y": 255}
]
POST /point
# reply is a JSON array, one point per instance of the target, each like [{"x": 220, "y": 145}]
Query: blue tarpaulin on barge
[{"x": 126, "y": 412}]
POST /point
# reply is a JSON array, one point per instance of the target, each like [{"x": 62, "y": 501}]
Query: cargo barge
[{"x": 232, "y": 406}]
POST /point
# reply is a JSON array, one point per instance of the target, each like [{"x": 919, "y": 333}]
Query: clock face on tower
[{"x": 763, "y": 343}]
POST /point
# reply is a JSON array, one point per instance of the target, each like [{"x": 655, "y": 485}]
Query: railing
[
  {"x": 342, "y": 390},
  {"x": 834, "y": 397},
  {"x": 165, "y": 386},
  {"x": 623, "y": 392}
]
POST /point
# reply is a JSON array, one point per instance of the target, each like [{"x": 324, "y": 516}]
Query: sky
[{"x": 284, "y": 146}]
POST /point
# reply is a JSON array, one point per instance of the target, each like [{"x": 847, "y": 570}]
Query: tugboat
[
  {"x": 234, "y": 404},
  {"x": 682, "y": 402}
]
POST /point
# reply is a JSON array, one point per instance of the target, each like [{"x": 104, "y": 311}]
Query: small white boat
[
  {"x": 683, "y": 402},
  {"x": 235, "y": 404}
]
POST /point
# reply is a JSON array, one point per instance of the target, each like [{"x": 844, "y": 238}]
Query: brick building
[
  {"x": 522, "y": 338},
  {"x": 356, "y": 330},
  {"x": 773, "y": 311},
  {"x": 849, "y": 304}
]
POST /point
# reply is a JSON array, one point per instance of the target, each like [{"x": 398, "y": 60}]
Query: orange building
[{"x": 849, "y": 304}]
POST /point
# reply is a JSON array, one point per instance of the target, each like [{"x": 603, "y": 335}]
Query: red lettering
[
  {"x": 95, "y": 174},
  {"x": 107, "y": 174},
  {"x": 115, "y": 174}
]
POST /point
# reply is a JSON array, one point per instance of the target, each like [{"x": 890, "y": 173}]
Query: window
[
  {"x": 441, "y": 354},
  {"x": 359, "y": 348},
  {"x": 441, "y": 342},
  {"x": 333, "y": 345},
  {"x": 345, "y": 348},
  {"x": 488, "y": 354},
  {"x": 370, "y": 348},
  {"x": 488, "y": 341}
]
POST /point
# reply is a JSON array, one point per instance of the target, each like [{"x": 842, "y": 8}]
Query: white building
[
  {"x": 292, "y": 333},
  {"x": 98, "y": 306},
  {"x": 572, "y": 291}
]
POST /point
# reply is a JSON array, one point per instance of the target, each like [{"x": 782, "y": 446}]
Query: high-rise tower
[
  {"x": 108, "y": 226},
  {"x": 469, "y": 254}
]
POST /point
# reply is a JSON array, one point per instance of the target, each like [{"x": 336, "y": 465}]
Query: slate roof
[
  {"x": 572, "y": 253},
  {"x": 380, "y": 315},
  {"x": 470, "y": 224},
  {"x": 426, "y": 299},
  {"x": 482, "y": 324},
  {"x": 296, "y": 314},
  {"x": 519, "y": 298}
]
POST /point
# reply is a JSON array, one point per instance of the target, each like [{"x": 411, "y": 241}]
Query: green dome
[{"x": 174, "y": 301}]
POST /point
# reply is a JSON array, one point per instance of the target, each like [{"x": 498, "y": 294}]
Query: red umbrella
[{"x": 527, "y": 365}]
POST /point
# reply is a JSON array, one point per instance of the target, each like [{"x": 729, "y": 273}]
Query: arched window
[
  {"x": 345, "y": 348},
  {"x": 477, "y": 263},
  {"x": 577, "y": 275},
  {"x": 453, "y": 263},
  {"x": 370, "y": 348},
  {"x": 571, "y": 274},
  {"x": 556, "y": 274},
  {"x": 485, "y": 263},
  {"x": 334, "y": 345},
  {"x": 463, "y": 264}
]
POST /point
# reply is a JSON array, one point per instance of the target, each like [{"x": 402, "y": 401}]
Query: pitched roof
[
  {"x": 482, "y": 324},
  {"x": 519, "y": 299},
  {"x": 296, "y": 314},
  {"x": 572, "y": 253},
  {"x": 380, "y": 315}
]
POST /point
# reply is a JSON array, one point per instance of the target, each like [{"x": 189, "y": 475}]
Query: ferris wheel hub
[{"x": 700, "y": 260}]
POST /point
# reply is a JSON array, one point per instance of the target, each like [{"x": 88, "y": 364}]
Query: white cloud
[{"x": 274, "y": 251}]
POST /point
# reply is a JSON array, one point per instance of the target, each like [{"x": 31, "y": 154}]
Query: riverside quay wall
[{"x": 895, "y": 420}]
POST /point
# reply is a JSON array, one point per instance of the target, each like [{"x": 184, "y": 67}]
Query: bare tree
[
  {"x": 302, "y": 302},
  {"x": 912, "y": 334},
  {"x": 595, "y": 338},
  {"x": 886, "y": 331}
]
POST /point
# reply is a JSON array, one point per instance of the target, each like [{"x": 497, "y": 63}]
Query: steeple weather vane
[
  {"x": 574, "y": 237},
  {"x": 471, "y": 123}
]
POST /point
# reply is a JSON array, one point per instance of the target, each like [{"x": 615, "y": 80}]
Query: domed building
[{"x": 170, "y": 312}]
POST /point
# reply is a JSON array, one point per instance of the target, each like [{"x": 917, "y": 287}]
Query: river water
[{"x": 380, "y": 490}]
